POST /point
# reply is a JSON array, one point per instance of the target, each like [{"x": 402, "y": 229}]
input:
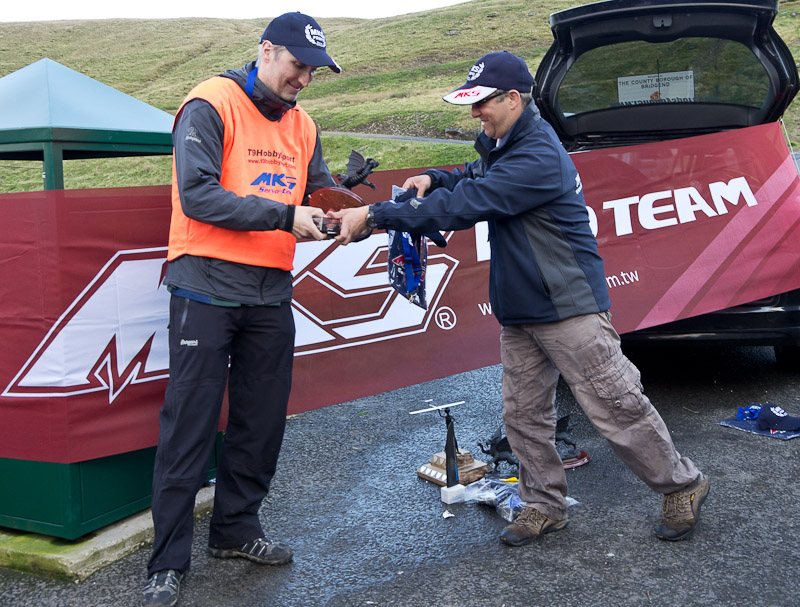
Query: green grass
[
  {"x": 20, "y": 176},
  {"x": 392, "y": 154},
  {"x": 395, "y": 72}
]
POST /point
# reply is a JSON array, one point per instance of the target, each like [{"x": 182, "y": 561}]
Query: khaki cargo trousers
[{"x": 585, "y": 351}]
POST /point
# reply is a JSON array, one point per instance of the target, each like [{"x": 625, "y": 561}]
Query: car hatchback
[{"x": 623, "y": 72}]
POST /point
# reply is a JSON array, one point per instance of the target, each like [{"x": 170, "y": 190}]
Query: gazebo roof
[{"x": 51, "y": 113}]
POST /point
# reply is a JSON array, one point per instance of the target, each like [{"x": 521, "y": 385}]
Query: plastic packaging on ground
[{"x": 501, "y": 494}]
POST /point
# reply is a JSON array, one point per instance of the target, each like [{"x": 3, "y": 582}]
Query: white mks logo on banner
[{"x": 114, "y": 333}]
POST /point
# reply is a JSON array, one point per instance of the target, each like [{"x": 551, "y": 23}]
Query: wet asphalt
[{"x": 367, "y": 531}]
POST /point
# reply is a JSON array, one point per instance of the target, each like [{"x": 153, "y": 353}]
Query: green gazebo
[{"x": 51, "y": 113}]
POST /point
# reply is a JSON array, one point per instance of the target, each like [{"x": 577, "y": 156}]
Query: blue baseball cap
[
  {"x": 773, "y": 417},
  {"x": 495, "y": 71},
  {"x": 304, "y": 38}
]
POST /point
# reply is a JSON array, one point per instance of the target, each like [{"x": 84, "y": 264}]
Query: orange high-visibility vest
[{"x": 260, "y": 157}]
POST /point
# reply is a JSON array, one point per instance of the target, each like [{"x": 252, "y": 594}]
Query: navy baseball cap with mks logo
[
  {"x": 773, "y": 417},
  {"x": 304, "y": 38},
  {"x": 495, "y": 71}
]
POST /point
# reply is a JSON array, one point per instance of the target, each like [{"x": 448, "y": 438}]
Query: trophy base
[
  {"x": 574, "y": 462},
  {"x": 469, "y": 469}
]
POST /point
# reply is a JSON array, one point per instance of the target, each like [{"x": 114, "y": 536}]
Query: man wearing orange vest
[{"x": 246, "y": 158}]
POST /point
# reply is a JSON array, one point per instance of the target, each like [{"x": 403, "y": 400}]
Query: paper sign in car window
[{"x": 654, "y": 88}]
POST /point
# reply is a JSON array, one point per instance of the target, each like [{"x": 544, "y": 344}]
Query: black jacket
[{"x": 544, "y": 266}]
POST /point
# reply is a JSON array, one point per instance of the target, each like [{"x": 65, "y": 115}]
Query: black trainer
[
  {"x": 680, "y": 511},
  {"x": 260, "y": 550},
  {"x": 162, "y": 589}
]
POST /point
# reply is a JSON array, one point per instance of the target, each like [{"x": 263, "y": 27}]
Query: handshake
[{"x": 328, "y": 225}]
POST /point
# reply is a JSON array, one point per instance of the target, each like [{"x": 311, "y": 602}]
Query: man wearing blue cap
[
  {"x": 548, "y": 291},
  {"x": 246, "y": 157}
]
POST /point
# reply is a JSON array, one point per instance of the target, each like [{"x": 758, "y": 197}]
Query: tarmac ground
[{"x": 367, "y": 531}]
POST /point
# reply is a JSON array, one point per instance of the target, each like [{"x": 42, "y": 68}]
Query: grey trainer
[
  {"x": 162, "y": 589},
  {"x": 680, "y": 511},
  {"x": 529, "y": 524},
  {"x": 259, "y": 550}
]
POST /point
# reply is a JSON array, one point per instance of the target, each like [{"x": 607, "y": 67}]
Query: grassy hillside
[{"x": 395, "y": 72}]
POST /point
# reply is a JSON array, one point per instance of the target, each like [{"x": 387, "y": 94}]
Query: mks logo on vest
[{"x": 275, "y": 183}]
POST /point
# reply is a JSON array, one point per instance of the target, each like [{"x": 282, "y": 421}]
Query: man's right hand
[
  {"x": 353, "y": 225},
  {"x": 304, "y": 226},
  {"x": 421, "y": 182}
]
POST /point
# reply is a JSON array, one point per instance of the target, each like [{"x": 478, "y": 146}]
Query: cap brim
[
  {"x": 468, "y": 96},
  {"x": 789, "y": 424},
  {"x": 314, "y": 57},
  {"x": 775, "y": 422}
]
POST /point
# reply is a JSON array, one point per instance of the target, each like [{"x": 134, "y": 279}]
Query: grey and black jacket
[{"x": 198, "y": 170}]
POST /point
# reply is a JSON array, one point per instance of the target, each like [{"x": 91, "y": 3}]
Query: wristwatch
[{"x": 370, "y": 221}]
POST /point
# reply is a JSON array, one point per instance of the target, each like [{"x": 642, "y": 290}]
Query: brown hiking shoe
[
  {"x": 529, "y": 524},
  {"x": 680, "y": 511}
]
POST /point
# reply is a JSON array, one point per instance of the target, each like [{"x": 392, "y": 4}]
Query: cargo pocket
[{"x": 618, "y": 384}]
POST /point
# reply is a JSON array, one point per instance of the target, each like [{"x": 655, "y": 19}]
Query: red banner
[
  {"x": 685, "y": 227},
  {"x": 696, "y": 225}
]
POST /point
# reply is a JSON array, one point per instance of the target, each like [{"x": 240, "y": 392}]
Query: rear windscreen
[{"x": 687, "y": 70}]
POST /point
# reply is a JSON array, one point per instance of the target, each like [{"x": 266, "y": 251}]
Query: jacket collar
[
  {"x": 485, "y": 145},
  {"x": 270, "y": 105}
]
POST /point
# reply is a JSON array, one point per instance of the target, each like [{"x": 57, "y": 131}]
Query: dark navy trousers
[{"x": 249, "y": 350}]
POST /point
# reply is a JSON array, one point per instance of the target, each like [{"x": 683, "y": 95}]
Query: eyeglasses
[{"x": 492, "y": 96}]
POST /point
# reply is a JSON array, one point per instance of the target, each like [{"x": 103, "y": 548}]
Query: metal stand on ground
[{"x": 452, "y": 468}]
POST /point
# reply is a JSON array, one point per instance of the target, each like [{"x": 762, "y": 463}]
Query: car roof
[{"x": 630, "y": 71}]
